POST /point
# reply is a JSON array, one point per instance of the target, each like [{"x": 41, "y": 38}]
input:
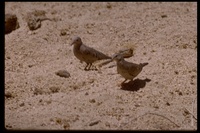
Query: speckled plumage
[
  {"x": 127, "y": 69},
  {"x": 85, "y": 53}
]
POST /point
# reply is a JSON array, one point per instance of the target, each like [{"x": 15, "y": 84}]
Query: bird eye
[{"x": 115, "y": 56}]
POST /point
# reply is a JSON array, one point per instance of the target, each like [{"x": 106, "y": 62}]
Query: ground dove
[
  {"x": 127, "y": 69},
  {"x": 85, "y": 53}
]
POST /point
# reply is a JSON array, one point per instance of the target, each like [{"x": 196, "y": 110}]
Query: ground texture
[{"x": 161, "y": 97}]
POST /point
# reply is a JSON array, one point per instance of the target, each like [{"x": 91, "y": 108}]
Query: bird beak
[
  {"x": 113, "y": 57},
  {"x": 71, "y": 43}
]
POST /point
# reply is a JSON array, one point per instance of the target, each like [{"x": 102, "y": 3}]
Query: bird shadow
[{"x": 134, "y": 85}]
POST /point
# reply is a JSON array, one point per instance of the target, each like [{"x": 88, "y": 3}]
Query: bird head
[
  {"x": 117, "y": 57},
  {"x": 76, "y": 40}
]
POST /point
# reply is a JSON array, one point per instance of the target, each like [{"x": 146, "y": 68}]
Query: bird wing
[
  {"x": 92, "y": 53},
  {"x": 132, "y": 68}
]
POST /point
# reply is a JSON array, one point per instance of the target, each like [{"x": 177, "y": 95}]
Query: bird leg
[
  {"x": 95, "y": 68},
  {"x": 86, "y": 66},
  {"x": 90, "y": 64},
  {"x": 124, "y": 81}
]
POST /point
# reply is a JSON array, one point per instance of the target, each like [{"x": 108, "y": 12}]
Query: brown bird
[
  {"x": 85, "y": 53},
  {"x": 127, "y": 69}
]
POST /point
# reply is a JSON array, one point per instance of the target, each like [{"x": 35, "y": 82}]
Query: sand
[{"x": 162, "y": 97}]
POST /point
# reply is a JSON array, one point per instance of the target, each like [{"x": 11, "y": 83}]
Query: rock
[
  {"x": 63, "y": 32},
  {"x": 109, "y": 6},
  {"x": 21, "y": 104},
  {"x": 63, "y": 73},
  {"x": 8, "y": 94},
  {"x": 11, "y": 23},
  {"x": 92, "y": 101},
  {"x": 164, "y": 16},
  {"x": 35, "y": 18},
  {"x": 94, "y": 123}
]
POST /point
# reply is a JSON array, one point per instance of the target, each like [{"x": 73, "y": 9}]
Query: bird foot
[{"x": 123, "y": 82}]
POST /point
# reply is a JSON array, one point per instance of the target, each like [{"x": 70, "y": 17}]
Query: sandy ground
[{"x": 162, "y": 34}]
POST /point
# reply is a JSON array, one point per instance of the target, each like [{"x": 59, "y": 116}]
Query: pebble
[
  {"x": 21, "y": 104},
  {"x": 11, "y": 23},
  {"x": 63, "y": 73},
  {"x": 94, "y": 123},
  {"x": 8, "y": 94}
]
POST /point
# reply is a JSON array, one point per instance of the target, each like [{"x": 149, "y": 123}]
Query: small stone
[
  {"x": 137, "y": 105},
  {"x": 63, "y": 73},
  {"x": 89, "y": 32},
  {"x": 92, "y": 101},
  {"x": 63, "y": 32},
  {"x": 48, "y": 102},
  {"x": 21, "y": 104},
  {"x": 168, "y": 104},
  {"x": 176, "y": 72},
  {"x": 186, "y": 112},
  {"x": 40, "y": 100},
  {"x": 94, "y": 123},
  {"x": 8, "y": 126},
  {"x": 58, "y": 120},
  {"x": 66, "y": 124},
  {"x": 185, "y": 46},
  {"x": 163, "y": 16},
  {"x": 180, "y": 93},
  {"x": 109, "y": 6},
  {"x": 30, "y": 66},
  {"x": 191, "y": 83},
  {"x": 156, "y": 106},
  {"x": 8, "y": 94}
]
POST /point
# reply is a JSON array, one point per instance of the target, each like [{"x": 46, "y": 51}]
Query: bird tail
[{"x": 143, "y": 64}]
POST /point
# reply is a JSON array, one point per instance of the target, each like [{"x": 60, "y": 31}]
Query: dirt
[{"x": 162, "y": 97}]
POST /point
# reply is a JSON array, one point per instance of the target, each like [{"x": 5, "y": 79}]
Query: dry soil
[{"x": 161, "y": 97}]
